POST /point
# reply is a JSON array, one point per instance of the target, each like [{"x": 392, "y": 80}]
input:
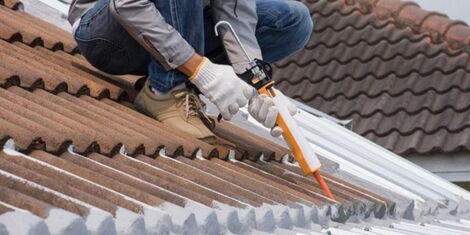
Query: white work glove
[
  {"x": 223, "y": 87},
  {"x": 263, "y": 110}
]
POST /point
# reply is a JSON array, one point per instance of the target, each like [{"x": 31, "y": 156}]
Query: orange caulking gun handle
[
  {"x": 302, "y": 152},
  {"x": 299, "y": 146}
]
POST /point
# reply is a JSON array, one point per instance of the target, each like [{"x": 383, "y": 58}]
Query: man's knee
[
  {"x": 293, "y": 19},
  {"x": 302, "y": 21}
]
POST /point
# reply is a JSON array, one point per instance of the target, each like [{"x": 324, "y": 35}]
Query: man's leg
[
  {"x": 186, "y": 16},
  {"x": 165, "y": 99},
  {"x": 107, "y": 45},
  {"x": 284, "y": 27}
]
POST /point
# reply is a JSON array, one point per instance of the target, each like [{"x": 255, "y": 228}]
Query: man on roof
[{"x": 173, "y": 43}]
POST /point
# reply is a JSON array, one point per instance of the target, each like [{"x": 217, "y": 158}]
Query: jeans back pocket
[{"x": 105, "y": 55}]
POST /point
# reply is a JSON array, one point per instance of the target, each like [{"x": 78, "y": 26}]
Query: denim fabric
[
  {"x": 107, "y": 45},
  {"x": 284, "y": 27}
]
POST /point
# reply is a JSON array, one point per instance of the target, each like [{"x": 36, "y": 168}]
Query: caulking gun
[{"x": 259, "y": 76}]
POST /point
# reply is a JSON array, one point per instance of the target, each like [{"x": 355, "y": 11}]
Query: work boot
[{"x": 181, "y": 109}]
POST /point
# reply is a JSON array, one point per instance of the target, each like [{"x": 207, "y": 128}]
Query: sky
[{"x": 455, "y": 9}]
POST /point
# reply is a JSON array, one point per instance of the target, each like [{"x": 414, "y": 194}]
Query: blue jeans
[{"x": 284, "y": 27}]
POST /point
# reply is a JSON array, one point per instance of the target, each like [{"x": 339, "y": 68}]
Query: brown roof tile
[
  {"x": 4, "y": 209},
  {"x": 253, "y": 145},
  {"x": 389, "y": 65},
  {"x": 119, "y": 176},
  {"x": 39, "y": 114},
  {"x": 23, "y": 201},
  {"x": 274, "y": 181},
  {"x": 35, "y": 31},
  {"x": 53, "y": 184},
  {"x": 146, "y": 165},
  {"x": 98, "y": 177},
  {"x": 56, "y": 142},
  {"x": 78, "y": 183},
  {"x": 37, "y": 192},
  {"x": 13, "y": 4},
  {"x": 25, "y": 139},
  {"x": 152, "y": 179},
  {"x": 206, "y": 179},
  {"x": 76, "y": 122},
  {"x": 243, "y": 181}
]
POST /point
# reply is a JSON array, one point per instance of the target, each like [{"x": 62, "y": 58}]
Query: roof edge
[{"x": 409, "y": 14}]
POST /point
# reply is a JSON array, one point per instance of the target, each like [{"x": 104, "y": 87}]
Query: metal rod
[{"x": 234, "y": 34}]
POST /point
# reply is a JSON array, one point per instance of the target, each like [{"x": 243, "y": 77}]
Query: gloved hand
[
  {"x": 263, "y": 110},
  {"x": 223, "y": 87}
]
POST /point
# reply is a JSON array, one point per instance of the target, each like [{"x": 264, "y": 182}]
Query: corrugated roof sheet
[{"x": 400, "y": 72}]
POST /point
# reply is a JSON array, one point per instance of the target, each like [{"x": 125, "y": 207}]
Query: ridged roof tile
[{"x": 399, "y": 71}]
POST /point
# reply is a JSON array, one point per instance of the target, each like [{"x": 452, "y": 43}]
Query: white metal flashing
[
  {"x": 375, "y": 159},
  {"x": 454, "y": 167}
]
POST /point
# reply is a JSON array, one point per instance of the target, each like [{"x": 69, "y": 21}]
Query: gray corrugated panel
[
  {"x": 317, "y": 233},
  {"x": 423, "y": 229},
  {"x": 318, "y": 113},
  {"x": 360, "y": 155},
  {"x": 335, "y": 151},
  {"x": 444, "y": 228},
  {"x": 337, "y": 231},
  {"x": 359, "y": 151},
  {"x": 453, "y": 224},
  {"x": 362, "y": 231},
  {"x": 465, "y": 221},
  {"x": 47, "y": 13},
  {"x": 385, "y": 231}
]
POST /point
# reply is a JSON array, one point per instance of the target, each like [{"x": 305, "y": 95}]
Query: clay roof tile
[
  {"x": 456, "y": 36},
  {"x": 438, "y": 26},
  {"x": 391, "y": 8},
  {"x": 13, "y": 4}
]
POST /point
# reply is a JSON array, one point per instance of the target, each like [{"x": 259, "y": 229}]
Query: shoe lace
[{"x": 194, "y": 106}]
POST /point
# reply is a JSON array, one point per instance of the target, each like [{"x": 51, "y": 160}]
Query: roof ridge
[{"x": 409, "y": 14}]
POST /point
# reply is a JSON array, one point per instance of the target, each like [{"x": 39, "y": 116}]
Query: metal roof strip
[
  {"x": 352, "y": 167},
  {"x": 453, "y": 224},
  {"x": 447, "y": 229},
  {"x": 337, "y": 231},
  {"x": 362, "y": 231},
  {"x": 390, "y": 231},
  {"x": 375, "y": 232},
  {"x": 405, "y": 164},
  {"x": 334, "y": 148},
  {"x": 390, "y": 166},
  {"x": 421, "y": 229}
]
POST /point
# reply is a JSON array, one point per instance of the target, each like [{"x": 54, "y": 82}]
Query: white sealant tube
[{"x": 310, "y": 158}]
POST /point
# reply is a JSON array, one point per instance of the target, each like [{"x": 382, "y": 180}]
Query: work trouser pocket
[{"x": 105, "y": 55}]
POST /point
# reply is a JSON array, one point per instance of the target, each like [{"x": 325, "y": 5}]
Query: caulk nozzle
[{"x": 323, "y": 185}]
